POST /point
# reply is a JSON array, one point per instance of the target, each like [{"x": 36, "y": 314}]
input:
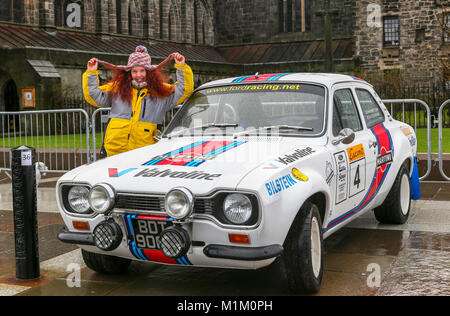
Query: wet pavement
[{"x": 365, "y": 258}]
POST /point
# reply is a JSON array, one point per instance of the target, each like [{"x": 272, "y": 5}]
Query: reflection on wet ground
[
  {"x": 410, "y": 263},
  {"x": 412, "y": 259}
]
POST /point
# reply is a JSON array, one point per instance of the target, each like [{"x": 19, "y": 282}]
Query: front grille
[
  {"x": 204, "y": 206},
  {"x": 140, "y": 202},
  {"x": 156, "y": 203}
]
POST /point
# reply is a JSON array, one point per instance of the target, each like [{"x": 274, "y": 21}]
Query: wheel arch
[
  {"x": 319, "y": 198},
  {"x": 322, "y": 202}
]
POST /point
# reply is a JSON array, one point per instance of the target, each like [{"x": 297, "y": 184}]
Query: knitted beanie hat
[{"x": 140, "y": 58}]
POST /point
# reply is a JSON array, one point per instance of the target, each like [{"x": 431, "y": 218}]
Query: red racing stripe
[
  {"x": 196, "y": 151},
  {"x": 158, "y": 256}
]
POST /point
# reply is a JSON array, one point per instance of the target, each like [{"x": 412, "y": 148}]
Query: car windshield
[{"x": 292, "y": 108}]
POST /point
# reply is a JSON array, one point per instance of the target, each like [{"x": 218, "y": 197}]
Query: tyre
[
  {"x": 105, "y": 264},
  {"x": 395, "y": 209},
  {"x": 303, "y": 251}
]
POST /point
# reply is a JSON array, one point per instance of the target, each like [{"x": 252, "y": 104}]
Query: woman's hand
[
  {"x": 179, "y": 59},
  {"x": 92, "y": 64}
]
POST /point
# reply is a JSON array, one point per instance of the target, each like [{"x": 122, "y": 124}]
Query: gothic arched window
[
  {"x": 5, "y": 11},
  {"x": 130, "y": 18},
  {"x": 294, "y": 16},
  {"x": 202, "y": 26},
  {"x": 119, "y": 16}
]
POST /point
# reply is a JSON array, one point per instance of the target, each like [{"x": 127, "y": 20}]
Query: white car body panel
[{"x": 263, "y": 166}]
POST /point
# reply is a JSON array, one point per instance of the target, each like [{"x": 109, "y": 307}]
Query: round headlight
[
  {"x": 101, "y": 198},
  {"x": 107, "y": 235},
  {"x": 237, "y": 208},
  {"x": 175, "y": 242},
  {"x": 179, "y": 203},
  {"x": 78, "y": 199}
]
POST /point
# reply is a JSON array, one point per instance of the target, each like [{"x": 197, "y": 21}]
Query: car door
[
  {"x": 354, "y": 162},
  {"x": 374, "y": 119}
]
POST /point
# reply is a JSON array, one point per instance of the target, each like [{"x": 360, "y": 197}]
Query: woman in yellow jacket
[{"x": 138, "y": 98}]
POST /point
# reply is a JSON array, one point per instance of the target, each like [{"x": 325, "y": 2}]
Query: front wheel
[
  {"x": 303, "y": 254},
  {"x": 105, "y": 264}
]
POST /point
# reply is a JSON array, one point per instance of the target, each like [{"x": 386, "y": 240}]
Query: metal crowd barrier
[
  {"x": 441, "y": 120},
  {"x": 104, "y": 112},
  {"x": 61, "y": 137},
  {"x": 103, "y": 124},
  {"x": 428, "y": 118}
]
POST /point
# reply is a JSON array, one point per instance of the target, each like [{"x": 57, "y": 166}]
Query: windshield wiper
[
  {"x": 203, "y": 127},
  {"x": 299, "y": 128}
]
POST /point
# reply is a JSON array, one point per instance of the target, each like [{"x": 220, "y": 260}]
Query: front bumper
[
  {"x": 86, "y": 239},
  {"x": 211, "y": 251},
  {"x": 243, "y": 253}
]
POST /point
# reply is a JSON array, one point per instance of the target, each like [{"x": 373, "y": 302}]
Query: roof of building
[
  {"x": 15, "y": 36},
  {"x": 293, "y": 51},
  {"x": 12, "y": 36}
]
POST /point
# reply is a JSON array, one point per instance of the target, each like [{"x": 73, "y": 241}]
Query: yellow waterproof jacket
[{"x": 134, "y": 125}]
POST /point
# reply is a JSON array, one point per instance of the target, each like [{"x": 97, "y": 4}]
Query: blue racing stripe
[
  {"x": 240, "y": 79},
  {"x": 155, "y": 161},
  {"x": 276, "y": 77},
  {"x": 197, "y": 162},
  {"x": 185, "y": 261}
]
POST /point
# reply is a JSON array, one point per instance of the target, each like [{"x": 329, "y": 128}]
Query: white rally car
[{"x": 251, "y": 170}]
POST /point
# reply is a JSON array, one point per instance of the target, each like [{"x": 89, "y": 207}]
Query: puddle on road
[{"x": 418, "y": 272}]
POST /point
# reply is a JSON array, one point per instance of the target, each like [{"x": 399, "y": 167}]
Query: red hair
[{"x": 122, "y": 87}]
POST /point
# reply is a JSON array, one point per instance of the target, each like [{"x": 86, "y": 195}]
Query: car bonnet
[{"x": 200, "y": 165}]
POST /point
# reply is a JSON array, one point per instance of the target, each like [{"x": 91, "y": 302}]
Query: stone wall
[
  {"x": 417, "y": 58},
  {"x": 244, "y": 21},
  {"x": 186, "y": 21}
]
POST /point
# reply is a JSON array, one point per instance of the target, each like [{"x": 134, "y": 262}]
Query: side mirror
[{"x": 346, "y": 136}]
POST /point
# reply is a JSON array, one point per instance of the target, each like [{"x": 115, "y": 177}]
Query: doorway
[{"x": 11, "y": 104}]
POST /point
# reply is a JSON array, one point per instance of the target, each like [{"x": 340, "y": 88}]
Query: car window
[
  {"x": 345, "y": 114},
  {"x": 372, "y": 112},
  {"x": 253, "y": 106}
]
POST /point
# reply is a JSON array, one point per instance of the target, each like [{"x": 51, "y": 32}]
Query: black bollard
[{"x": 25, "y": 213}]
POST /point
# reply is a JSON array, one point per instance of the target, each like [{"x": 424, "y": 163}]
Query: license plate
[{"x": 147, "y": 231}]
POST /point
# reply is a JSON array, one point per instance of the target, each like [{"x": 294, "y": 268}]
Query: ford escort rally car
[{"x": 251, "y": 171}]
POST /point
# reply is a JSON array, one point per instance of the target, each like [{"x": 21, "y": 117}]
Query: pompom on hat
[{"x": 140, "y": 58}]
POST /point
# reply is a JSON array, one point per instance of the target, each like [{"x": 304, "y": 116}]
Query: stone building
[
  {"x": 45, "y": 44},
  {"x": 402, "y": 37}
]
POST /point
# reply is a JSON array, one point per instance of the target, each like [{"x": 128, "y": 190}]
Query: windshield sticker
[
  {"x": 298, "y": 154},
  {"x": 280, "y": 184},
  {"x": 197, "y": 175},
  {"x": 292, "y": 87},
  {"x": 194, "y": 154}
]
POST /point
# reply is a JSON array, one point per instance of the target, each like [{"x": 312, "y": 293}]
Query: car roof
[{"x": 327, "y": 79}]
